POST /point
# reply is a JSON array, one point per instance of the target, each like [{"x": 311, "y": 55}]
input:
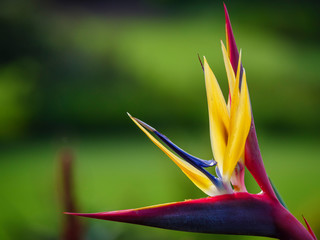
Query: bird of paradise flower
[{"x": 230, "y": 209}]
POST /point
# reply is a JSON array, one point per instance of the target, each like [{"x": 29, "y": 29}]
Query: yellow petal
[
  {"x": 228, "y": 104},
  {"x": 235, "y": 94},
  {"x": 239, "y": 68},
  {"x": 196, "y": 176},
  {"x": 229, "y": 69},
  {"x": 239, "y": 128},
  {"x": 218, "y": 116}
]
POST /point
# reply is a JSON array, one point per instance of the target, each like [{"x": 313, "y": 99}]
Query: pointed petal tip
[
  {"x": 226, "y": 11},
  {"x": 222, "y": 44},
  {"x": 145, "y": 125},
  {"x": 72, "y": 213},
  {"x": 309, "y": 228},
  {"x": 142, "y": 123},
  {"x": 224, "y": 6},
  {"x": 200, "y": 62},
  {"x": 89, "y": 215}
]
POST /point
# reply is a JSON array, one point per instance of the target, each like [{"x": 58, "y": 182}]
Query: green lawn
[{"x": 128, "y": 172}]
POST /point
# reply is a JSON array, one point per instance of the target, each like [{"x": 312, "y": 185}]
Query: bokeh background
[{"x": 70, "y": 70}]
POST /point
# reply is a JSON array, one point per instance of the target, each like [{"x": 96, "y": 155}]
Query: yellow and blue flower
[{"x": 230, "y": 209}]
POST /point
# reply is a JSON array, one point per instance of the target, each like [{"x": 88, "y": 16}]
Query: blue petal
[
  {"x": 197, "y": 162},
  {"x": 194, "y": 161},
  {"x": 218, "y": 172}
]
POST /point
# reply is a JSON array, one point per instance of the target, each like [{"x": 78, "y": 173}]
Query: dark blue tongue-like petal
[
  {"x": 186, "y": 156},
  {"x": 197, "y": 162}
]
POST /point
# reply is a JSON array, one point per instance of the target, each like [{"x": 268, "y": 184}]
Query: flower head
[
  {"x": 229, "y": 128},
  {"x": 231, "y": 209}
]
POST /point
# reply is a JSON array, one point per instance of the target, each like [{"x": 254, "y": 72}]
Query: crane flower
[
  {"x": 229, "y": 209},
  {"x": 229, "y": 128}
]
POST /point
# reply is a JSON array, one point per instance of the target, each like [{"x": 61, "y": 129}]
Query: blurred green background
[{"x": 70, "y": 70}]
